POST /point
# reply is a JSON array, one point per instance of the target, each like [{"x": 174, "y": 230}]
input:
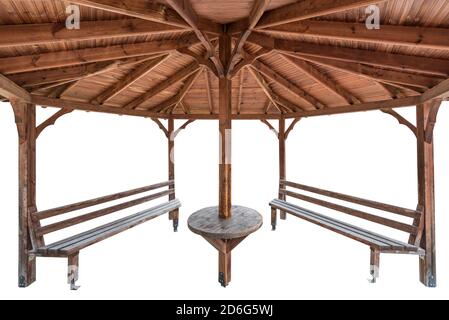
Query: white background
[{"x": 88, "y": 155}]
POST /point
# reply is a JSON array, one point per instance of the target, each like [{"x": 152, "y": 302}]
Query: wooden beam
[
  {"x": 268, "y": 92},
  {"x": 416, "y": 37},
  {"x": 133, "y": 76},
  {"x": 67, "y": 74},
  {"x": 432, "y": 119},
  {"x": 83, "y": 56},
  {"x": 25, "y": 115},
  {"x": 144, "y": 10},
  {"x": 225, "y": 127},
  {"x": 426, "y": 196},
  {"x": 175, "y": 78},
  {"x": 53, "y": 33},
  {"x": 440, "y": 91},
  {"x": 85, "y": 106},
  {"x": 434, "y": 66},
  {"x": 173, "y": 101},
  {"x": 291, "y": 127},
  {"x": 240, "y": 93},
  {"x": 282, "y": 163},
  {"x": 163, "y": 129},
  {"x": 290, "y": 86},
  {"x": 265, "y": 121},
  {"x": 247, "y": 60},
  {"x": 202, "y": 61},
  {"x": 52, "y": 120},
  {"x": 12, "y": 91},
  {"x": 366, "y": 106},
  {"x": 258, "y": 8},
  {"x": 322, "y": 79},
  {"x": 400, "y": 119},
  {"x": 308, "y": 9},
  {"x": 182, "y": 127},
  {"x": 377, "y": 74},
  {"x": 209, "y": 92},
  {"x": 185, "y": 10}
]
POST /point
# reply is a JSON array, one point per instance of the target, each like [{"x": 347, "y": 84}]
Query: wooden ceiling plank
[
  {"x": 322, "y": 79},
  {"x": 175, "y": 78},
  {"x": 308, "y": 9},
  {"x": 142, "y": 70},
  {"x": 433, "y": 66},
  {"x": 287, "y": 84},
  {"x": 58, "y": 59},
  {"x": 416, "y": 37},
  {"x": 51, "y": 33}
]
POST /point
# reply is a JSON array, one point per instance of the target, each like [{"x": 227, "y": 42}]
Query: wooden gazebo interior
[{"x": 224, "y": 60}]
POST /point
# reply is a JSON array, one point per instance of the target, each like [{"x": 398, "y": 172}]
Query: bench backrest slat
[{"x": 93, "y": 202}]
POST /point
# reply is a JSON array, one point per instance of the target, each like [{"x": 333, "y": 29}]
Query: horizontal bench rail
[
  {"x": 101, "y": 212},
  {"x": 93, "y": 202},
  {"x": 364, "y": 202},
  {"x": 357, "y": 213}
]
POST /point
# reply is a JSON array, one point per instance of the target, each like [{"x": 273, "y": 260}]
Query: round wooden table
[{"x": 225, "y": 234}]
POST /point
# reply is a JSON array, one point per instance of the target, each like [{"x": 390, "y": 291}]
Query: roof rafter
[
  {"x": 283, "y": 105},
  {"x": 185, "y": 10},
  {"x": 287, "y": 84},
  {"x": 434, "y": 66},
  {"x": 178, "y": 76},
  {"x": 83, "y": 56},
  {"x": 319, "y": 77},
  {"x": 416, "y": 37},
  {"x": 133, "y": 76},
  {"x": 258, "y": 8},
  {"x": 377, "y": 74},
  {"x": 202, "y": 61},
  {"x": 10, "y": 90},
  {"x": 38, "y": 34}
]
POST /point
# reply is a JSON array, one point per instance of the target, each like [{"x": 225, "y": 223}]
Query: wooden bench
[
  {"x": 71, "y": 246},
  {"x": 378, "y": 243}
]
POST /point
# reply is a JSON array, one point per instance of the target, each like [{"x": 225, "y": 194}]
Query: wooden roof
[{"x": 292, "y": 58}]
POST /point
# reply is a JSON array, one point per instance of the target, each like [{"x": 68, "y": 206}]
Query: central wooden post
[
  {"x": 425, "y": 121},
  {"x": 225, "y": 111},
  {"x": 282, "y": 168},
  {"x": 225, "y": 126},
  {"x": 25, "y": 116}
]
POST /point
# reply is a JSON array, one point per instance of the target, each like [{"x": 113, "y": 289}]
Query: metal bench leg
[
  {"x": 374, "y": 265},
  {"x": 174, "y": 215},
  {"x": 73, "y": 270},
  {"x": 273, "y": 218}
]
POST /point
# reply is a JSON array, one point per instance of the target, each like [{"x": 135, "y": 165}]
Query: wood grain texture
[{"x": 243, "y": 221}]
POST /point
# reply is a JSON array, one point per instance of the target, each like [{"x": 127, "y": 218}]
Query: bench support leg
[
  {"x": 174, "y": 216},
  {"x": 273, "y": 218},
  {"x": 374, "y": 265},
  {"x": 73, "y": 270}
]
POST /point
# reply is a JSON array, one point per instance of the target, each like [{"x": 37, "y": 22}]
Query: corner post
[
  {"x": 282, "y": 167},
  {"x": 425, "y": 121},
  {"x": 173, "y": 215},
  {"x": 25, "y": 117}
]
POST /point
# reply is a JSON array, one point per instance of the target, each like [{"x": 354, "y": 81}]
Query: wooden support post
[
  {"x": 426, "y": 195},
  {"x": 273, "y": 218},
  {"x": 73, "y": 270},
  {"x": 374, "y": 265},
  {"x": 173, "y": 215},
  {"x": 282, "y": 168},
  {"x": 224, "y": 265},
  {"x": 225, "y": 112},
  {"x": 25, "y": 116}
]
